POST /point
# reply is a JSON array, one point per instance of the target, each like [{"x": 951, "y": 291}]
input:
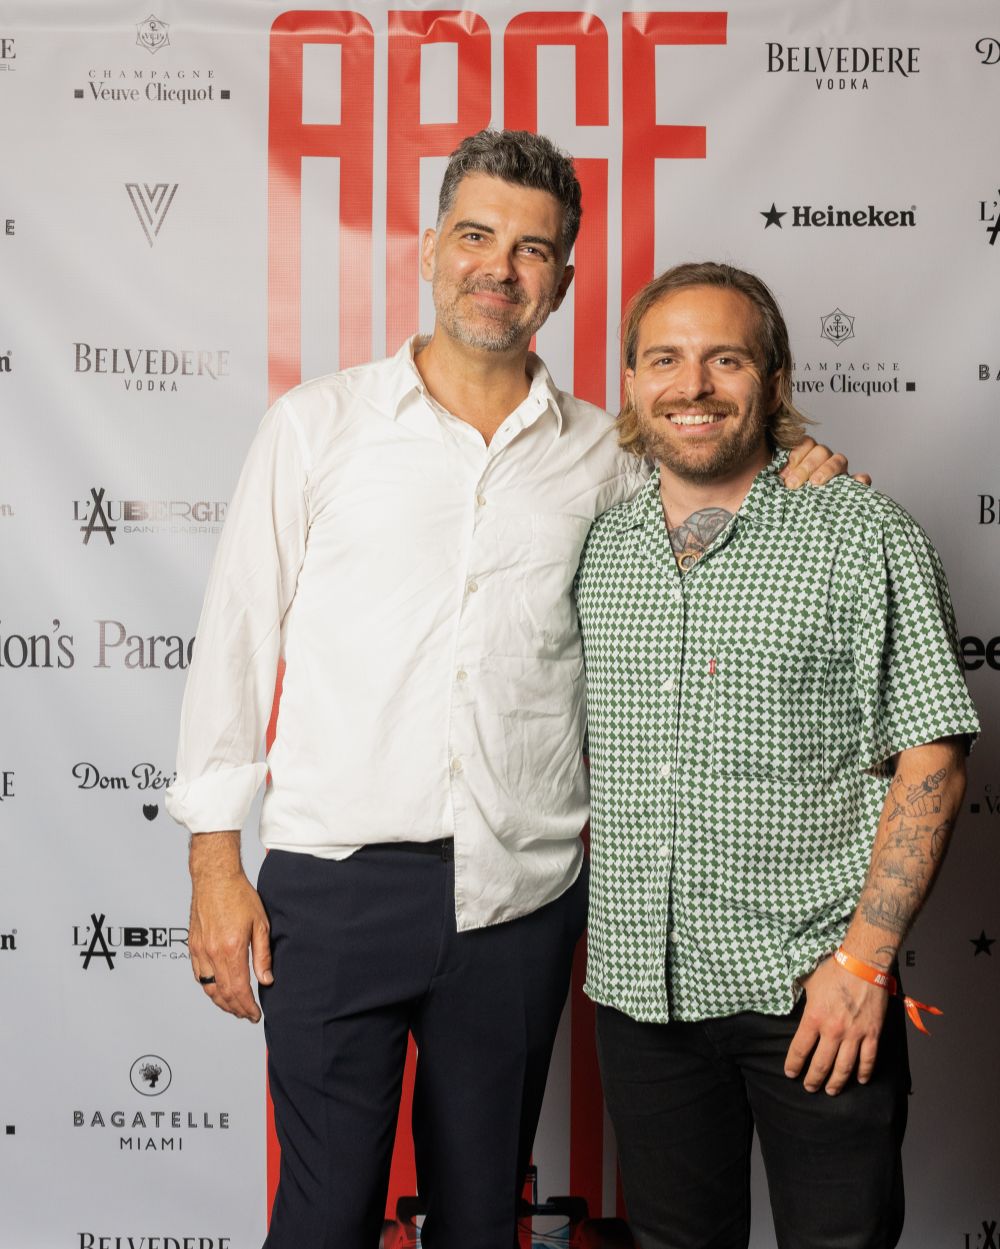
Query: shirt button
[
  {"x": 669, "y": 685},
  {"x": 665, "y": 771},
  {"x": 456, "y": 765},
  {"x": 664, "y": 851},
  {"x": 481, "y": 500},
  {"x": 473, "y": 586},
  {"x": 462, "y": 674},
  {"x": 673, "y": 936}
]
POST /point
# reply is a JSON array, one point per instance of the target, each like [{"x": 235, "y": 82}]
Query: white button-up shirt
[{"x": 418, "y": 584}]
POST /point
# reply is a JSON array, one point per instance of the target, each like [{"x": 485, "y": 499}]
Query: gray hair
[{"x": 524, "y": 159}]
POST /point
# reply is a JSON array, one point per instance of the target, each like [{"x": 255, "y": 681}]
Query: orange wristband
[{"x": 883, "y": 979}]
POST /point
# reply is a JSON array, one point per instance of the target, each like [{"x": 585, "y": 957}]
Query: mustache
[
  {"x": 704, "y": 407},
  {"x": 513, "y": 294}
]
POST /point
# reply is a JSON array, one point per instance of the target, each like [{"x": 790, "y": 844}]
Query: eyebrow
[
  {"x": 732, "y": 349},
  {"x": 468, "y": 224}
]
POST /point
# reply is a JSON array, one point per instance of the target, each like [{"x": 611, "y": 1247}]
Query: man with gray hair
[{"x": 405, "y": 535}]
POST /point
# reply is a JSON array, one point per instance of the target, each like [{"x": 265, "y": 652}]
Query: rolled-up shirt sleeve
[{"x": 230, "y": 686}]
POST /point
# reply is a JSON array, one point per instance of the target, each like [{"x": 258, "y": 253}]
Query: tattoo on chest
[{"x": 692, "y": 537}]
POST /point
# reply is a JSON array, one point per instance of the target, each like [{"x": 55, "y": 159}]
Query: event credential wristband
[{"x": 885, "y": 980}]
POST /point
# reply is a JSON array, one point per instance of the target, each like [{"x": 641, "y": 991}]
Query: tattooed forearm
[
  {"x": 919, "y": 799},
  {"x": 890, "y": 912},
  {"x": 917, "y": 818},
  {"x": 884, "y": 956},
  {"x": 939, "y": 839},
  {"x": 692, "y": 537}
]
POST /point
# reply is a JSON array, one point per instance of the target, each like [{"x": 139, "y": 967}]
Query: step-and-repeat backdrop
[{"x": 204, "y": 203}]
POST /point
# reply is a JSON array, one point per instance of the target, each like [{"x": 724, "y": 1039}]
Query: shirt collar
[
  {"x": 405, "y": 376},
  {"x": 406, "y": 379},
  {"x": 768, "y": 494},
  {"x": 763, "y": 505}
]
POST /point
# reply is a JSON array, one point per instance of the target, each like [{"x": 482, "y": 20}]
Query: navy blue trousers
[
  {"x": 366, "y": 951},
  {"x": 685, "y": 1099}
]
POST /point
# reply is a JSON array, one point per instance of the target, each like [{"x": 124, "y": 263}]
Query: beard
[
  {"x": 493, "y": 327},
  {"x": 716, "y": 459}
]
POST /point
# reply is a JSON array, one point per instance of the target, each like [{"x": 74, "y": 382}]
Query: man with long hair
[{"x": 778, "y": 725}]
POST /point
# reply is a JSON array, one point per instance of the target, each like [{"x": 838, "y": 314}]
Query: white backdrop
[{"x": 141, "y": 331}]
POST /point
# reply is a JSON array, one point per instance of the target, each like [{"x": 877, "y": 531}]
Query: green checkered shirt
[{"x": 740, "y": 717}]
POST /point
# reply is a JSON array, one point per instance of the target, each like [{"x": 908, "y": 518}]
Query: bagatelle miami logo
[
  {"x": 100, "y": 944},
  {"x": 101, "y": 517},
  {"x": 989, "y": 216},
  {"x": 167, "y": 81},
  {"x": 161, "y": 370},
  {"x": 845, "y": 372},
  {"x": 151, "y": 204},
  {"x": 842, "y": 67},
  {"x": 150, "y": 1076},
  {"x": 834, "y": 217},
  {"x": 7, "y": 54}
]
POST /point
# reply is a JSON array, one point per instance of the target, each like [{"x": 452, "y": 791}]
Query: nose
[
  {"x": 500, "y": 265},
  {"x": 692, "y": 380}
]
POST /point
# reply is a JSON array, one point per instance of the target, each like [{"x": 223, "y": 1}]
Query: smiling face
[
  {"x": 495, "y": 263},
  {"x": 698, "y": 385}
]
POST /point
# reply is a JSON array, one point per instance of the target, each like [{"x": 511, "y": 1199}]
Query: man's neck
[
  {"x": 480, "y": 387},
  {"x": 696, "y": 512}
]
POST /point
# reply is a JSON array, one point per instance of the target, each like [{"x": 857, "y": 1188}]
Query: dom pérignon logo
[{"x": 989, "y": 50}]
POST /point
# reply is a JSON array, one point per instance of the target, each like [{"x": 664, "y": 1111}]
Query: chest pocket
[
  {"x": 769, "y": 715},
  {"x": 549, "y": 547}
]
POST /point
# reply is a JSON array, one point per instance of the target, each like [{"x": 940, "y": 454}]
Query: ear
[
  {"x": 563, "y": 287},
  {"x": 428, "y": 246}
]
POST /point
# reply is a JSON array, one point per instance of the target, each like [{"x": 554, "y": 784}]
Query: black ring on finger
[{"x": 206, "y": 980}]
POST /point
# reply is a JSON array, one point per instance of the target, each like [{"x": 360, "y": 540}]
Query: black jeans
[
  {"x": 685, "y": 1099},
  {"x": 365, "y": 952}
]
